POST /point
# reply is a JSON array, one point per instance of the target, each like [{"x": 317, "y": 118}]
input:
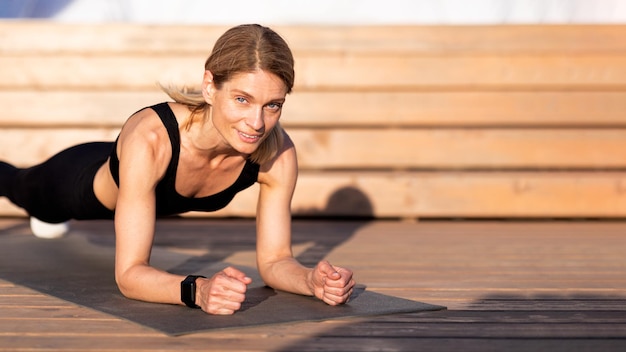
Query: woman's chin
[
  {"x": 246, "y": 149},
  {"x": 247, "y": 145}
]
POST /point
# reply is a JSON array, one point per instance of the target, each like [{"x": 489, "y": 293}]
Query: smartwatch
[{"x": 188, "y": 291}]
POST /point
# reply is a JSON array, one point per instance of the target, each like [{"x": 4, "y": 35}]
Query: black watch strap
[{"x": 188, "y": 291}]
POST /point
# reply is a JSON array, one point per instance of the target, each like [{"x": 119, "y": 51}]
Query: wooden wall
[{"x": 408, "y": 122}]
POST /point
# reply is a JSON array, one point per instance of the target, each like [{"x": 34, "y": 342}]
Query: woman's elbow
[{"x": 123, "y": 284}]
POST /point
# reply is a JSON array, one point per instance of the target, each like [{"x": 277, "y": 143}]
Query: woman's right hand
[{"x": 223, "y": 293}]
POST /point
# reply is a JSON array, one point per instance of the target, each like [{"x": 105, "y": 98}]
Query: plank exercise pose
[{"x": 192, "y": 154}]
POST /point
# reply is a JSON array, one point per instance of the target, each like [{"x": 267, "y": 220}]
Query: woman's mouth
[{"x": 249, "y": 138}]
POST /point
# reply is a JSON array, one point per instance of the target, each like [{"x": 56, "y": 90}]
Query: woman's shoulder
[
  {"x": 283, "y": 166},
  {"x": 144, "y": 128},
  {"x": 287, "y": 143},
  {"x": 180, "y": 111},
  {"x": 142, "y": 121}
]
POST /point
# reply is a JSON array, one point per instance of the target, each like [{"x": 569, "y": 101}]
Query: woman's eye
[{"x": 274, "y": 106}]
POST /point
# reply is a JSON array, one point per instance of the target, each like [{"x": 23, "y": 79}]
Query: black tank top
[{"x": 170, "y": 202}]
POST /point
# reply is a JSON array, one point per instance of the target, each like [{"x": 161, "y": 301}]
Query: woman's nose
[{"x": 256, "y": 121}]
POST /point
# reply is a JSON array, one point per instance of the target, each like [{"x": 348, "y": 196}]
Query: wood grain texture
[
  {"x": 464, "y": 194},
  {"x": 390, "y": 149},
  {"x": 461, "y": 148},
  {"x": 28, "y": 37},
  {"x": 340, "y": 109},
  {"x": 426, "y": 121},
  {"x": 508, "y": 285},
  {"x": 414, "y": 195},
  {"x": 350, "y": 72}
]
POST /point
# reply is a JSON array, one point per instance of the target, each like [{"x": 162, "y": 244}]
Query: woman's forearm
[
  {"x": 146, "y": 283},
  {"x": 287, "y": 275}
]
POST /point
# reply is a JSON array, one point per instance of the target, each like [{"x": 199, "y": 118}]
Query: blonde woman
[{"x": 194, "y": 153}]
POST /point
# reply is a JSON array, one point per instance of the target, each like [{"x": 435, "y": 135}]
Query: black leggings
[{"x": 60, "y": 188}]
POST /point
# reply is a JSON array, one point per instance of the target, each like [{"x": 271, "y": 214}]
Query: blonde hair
[{"x": 244, "y": 48}]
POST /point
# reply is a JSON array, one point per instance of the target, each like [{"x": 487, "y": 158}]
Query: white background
[{"x": 331, "y": 12}]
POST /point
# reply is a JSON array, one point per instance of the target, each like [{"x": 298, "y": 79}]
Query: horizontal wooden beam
[
  {"x": 455, "y": 109},
  {"x": 332, "y": 72},
  {"x": 26, "y": 147},
  {"x": 42, "y": 37},
  {"x": 315, "y": 109},
  {"x": 463, "y": 194},
  {"x": 33, "y": 108},
  {"x": 442, "y": 194},
  {"x": 394, "y": 149},
  {"x": 89, "y": 109},
  {"x": 461, "y": 148},
  {"x": 462, "y": 72}
]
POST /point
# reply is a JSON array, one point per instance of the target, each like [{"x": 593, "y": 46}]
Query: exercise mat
[{"x": 80, "y": 270}]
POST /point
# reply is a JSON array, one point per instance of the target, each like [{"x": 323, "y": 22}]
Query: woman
[{"x": 193, "y": 154}]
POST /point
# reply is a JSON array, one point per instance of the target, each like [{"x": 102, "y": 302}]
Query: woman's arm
[
  {"x": 145, "y": 152},
  {"x": 277, "y": 266}
]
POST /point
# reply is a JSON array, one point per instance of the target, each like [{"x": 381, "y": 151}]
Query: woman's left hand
[{"x": 331, "y": 284}]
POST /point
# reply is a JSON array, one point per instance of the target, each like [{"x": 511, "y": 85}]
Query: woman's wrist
[
  {"x": 310, "y": 283},
  {"x": 189, "y": 291}
]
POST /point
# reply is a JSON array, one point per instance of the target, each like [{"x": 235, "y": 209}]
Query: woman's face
[{"x": 246, "y": 108}]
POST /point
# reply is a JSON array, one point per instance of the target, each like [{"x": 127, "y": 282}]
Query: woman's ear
[{"x": 208, "y": 88}]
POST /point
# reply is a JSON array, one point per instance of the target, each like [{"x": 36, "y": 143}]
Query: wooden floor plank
[
  {"x": 509, "y": 285},
  {"x": 471, "y": 344},
  {"x": 484, "y": 330}
]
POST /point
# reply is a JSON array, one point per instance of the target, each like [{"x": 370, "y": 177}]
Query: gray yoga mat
[{"x": 81, "y": 271}]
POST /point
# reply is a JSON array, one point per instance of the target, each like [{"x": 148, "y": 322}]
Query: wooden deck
[
  {"x": 509, "y": 286},
  {"x": 423, "y": 122}
]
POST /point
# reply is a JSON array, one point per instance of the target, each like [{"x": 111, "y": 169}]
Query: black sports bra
[{"x": 170, "y": 202}]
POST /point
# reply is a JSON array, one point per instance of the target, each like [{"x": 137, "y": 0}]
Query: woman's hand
[
  {"x": 332, "y": 285},
  {"x": 223, "y": 293}
]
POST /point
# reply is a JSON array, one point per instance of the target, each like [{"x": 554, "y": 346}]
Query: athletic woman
[{"x": 194, "y": 153}]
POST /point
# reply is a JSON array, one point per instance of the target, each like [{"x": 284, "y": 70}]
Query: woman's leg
[
  {"x": 54, "y": 191},
  {"x": 7, "y": 175}
]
